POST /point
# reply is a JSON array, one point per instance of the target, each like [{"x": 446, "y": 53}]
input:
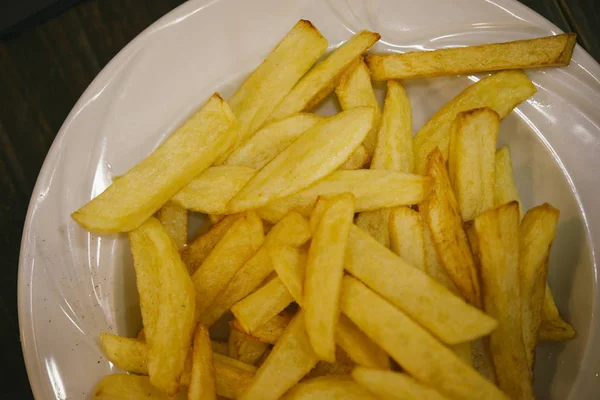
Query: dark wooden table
[{"x": 47, "y": 61}]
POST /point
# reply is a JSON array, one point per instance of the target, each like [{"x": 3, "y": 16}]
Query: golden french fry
[
  {"x": 196, "y": 252},
  {"x": 464, "y": 352},
  {"x": 505, "y": 190},
  {"x": 271, "y": 140},
  {"x": 343, "y": 364},
  {"x": 323, "y": 78},
  {"x": 328, "y": 387},
  {"x": 220, "y": 347},
  {"x": 536, "y": 233},
  {"x": 388, "y": 385},
  {"x": 140, "y": 192},
  {"x": 365, "y": 185},
  {"x": 245, "y": 348},
  {"x": 275, "y": 77},
  {"x": 433, "y": 265},
  {"x": 553, "y": 327},
  {"x": 262, "y": 305},
  {"x": 394, "y": 149},
  {"x": 324, "y": 271},
  {"x": 498, "y": 242},
  {"x": 314, "y": 155},
  {"x": 376, "y": 223},
  {"x": 292, "y": 230},
  {"x": 471, "y": 159},
  {"x": 232, "y": 377},
  {"x": 501, "y": 92},
  {"x": 167, "y": 302},
  {"x": 269, "y": 332},
  {"x": 291, "y": 359},
  {"x": 215, "y": 219},
  {"x": 290, "y": 265},
  {"x": 549, "y": 51},
  {"x": 210, "y": 191},
  {"x": 126, "y": 353},
  {"x": 407, "y": 236},
  {"x": 175, "y": 221},
  {"x": 359, "y": 347},
  {"x": 433, "y": 306},
  {"x": 416, "y": 351},
  {"x": 202, "y": 377},
  {"x": 317, "y": 213},
  {"x": 442, "y": 215},
  {"x": 122, "y": 386},
  {"x": 358, "y": 159},
  {"x": 481, "y": 358},
  {"x": 355, "y": 90}
]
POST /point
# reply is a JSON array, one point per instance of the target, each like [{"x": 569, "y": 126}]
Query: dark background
[{"x": 50, "y": 50}]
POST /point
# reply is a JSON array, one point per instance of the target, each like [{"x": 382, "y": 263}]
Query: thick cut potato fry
[
  {"x": 175, "y": 221},
  {"x": 292, "y": 230},
  {"x": 407, "y": 237},
  {"x": 275, "y": 77},
  {"x": 324, "y": 271},
  {"x": 365, "y": 185},
  {"x": 388, "y": 385},
  {"x": 140, "y": 192},
  {"x": 433, "y": 265},
  {"x": 343, "y": 364},
  {"x": 324, "y": 77},
  {"x": 220, "y": 347},
  {"x": 271, "y": 140},
  {"x": 262, "y": 305},
  {"x": 335, "y": 387},
  {"x": 210, "y": 191},
  {"x": 232, "y": 377},
  {"x": 481, "y": 359},
  {"x": 359, "y": 347},
  {"x": 553, "y": 327},
  {"x": 505, "y": 190},
  {"x": 536, "y": 233},
  {"x": 417, "y": 351},
  {"x": 202, "y": 377},
  {"x": 196, "y": 252},
  {"x": 498, "y": 242},
  {"x": 126, "y": 353},
  {"x": 376, "y": 223},
  {"x": 394, "y": 149},
  {"x": 471, "y": 159},
  {"x": 237, "y": 245},
  {"x": 358, "y": 159},
  {"x": 317, "y": 213},
  {"x": 501, "y": 92},
  {"x": 314, "y": 155},
  {"x": 167, "y": 302},
  {"x": 290, "y": 265},
  {"x": 433, "y": 306},
  {"x": 549, "y": 51},
  {"x": 268, "y": 332},
  {"x": 245, "y": 348},
  {"x": 122, "y": 386},
  {"x": 355, "y": 90},
  {"x": 443, "y": 218},
  {"x": 291, "y": 359}
]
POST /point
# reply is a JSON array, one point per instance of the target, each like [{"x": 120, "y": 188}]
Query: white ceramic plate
[{"x": 74, "y": 285}]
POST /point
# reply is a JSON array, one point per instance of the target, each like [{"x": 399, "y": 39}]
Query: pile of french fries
[{"x": 349, "y": 259}]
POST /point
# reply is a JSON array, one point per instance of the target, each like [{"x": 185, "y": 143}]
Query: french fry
[
  {"x": 498, "y": 242},
  {"x": 501, "y": 92},
  {"x": 415, "y": 350},
  {"x": 536, "y": 233},
  {"x": 290, "y": 265},
  {"x": 317, "y": 213},
  {"x": 271, "y": 140},
  {"x": 394, "y": 149},
  {"x": 365, "y": 185},
  {"x": 291, "y": 359},
  {"x": 549, "y": 51},
  {"x": 433, "y": 265},
  {"x": 232, "y": 377},
  {"x": 314, "y": 155},
  {"x": 471, "y": 159},
  {"x": 407, "y": 237},
  {"x": 122, "y": 386},
  {"x": 442, "y": 215},
  {"x": 323, "y": 78},
  {"x": 389, "y": 385},
  {"x": 355, "y": 90},
  {"x": 202, "y": 377},
  {"x": 292, "y": 230},
  {"x": 262, "y": 305},
  {"x": 196, "y": 252},
  {"x": 324, "y": 271},
  {"x": 240, "y": 242},
  {"x": 433, "y": 306},
  {"x": 130, "y": 200},
  {"x": 328, "y": 387},
  {"x": 210, "y": 191},
  {"x": 505, "y": 190},
  {"x": 343, "y": 364},
  {"x": 275, "y": 77},
  {"x": 268, "y": 332},
  {"x": 167, "y": 302},
  {"x": 377, "y": 224},
  {"x": 359, "y": 347},
  {"x": 126, "y": 353},
  {"x": 220, "y": 347},
  {"x": 175, "y": 221},
  {"x": 358, "y": 159},
  {"x": 245, "y": 348},
  {"x": 553, "y": 327},
  {"x": 215, "y": 219}
]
